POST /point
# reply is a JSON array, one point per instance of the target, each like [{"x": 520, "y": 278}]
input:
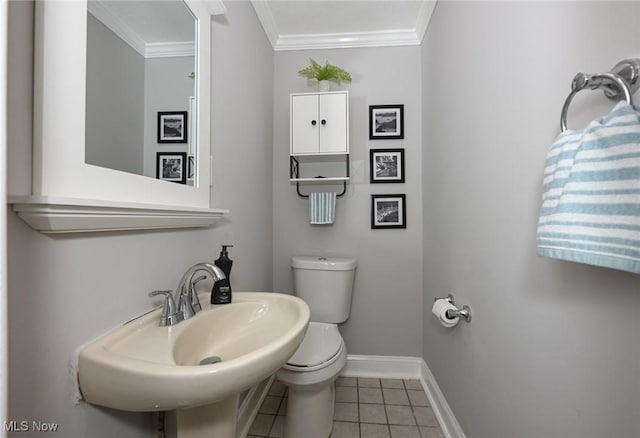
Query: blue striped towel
[
  {"x": 591, "y": 197},
  {"x": 322, "y": 207}
]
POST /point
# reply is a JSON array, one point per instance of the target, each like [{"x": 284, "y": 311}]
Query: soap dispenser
[{"x": 221, "y": 293}]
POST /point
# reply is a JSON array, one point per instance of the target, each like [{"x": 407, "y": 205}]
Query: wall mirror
[
  {"x": 66, "y": 108},
  {"x": 141, "y": 62}
]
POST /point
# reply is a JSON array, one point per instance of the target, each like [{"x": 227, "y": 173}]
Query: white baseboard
[
  {"x": 389, "y": 367},
  {"x": 404, "y": 367}
]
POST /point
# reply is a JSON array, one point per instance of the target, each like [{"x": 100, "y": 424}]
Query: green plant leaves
[{"x": 327, "y": 72}]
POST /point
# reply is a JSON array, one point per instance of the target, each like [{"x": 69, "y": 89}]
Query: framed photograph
[
  {"x": 171, "y": 166},
  {"x": 388, "y": 211},
  {"x": 386, "y": 122},
  {"x": 172, "y": 127},
  {"x": 386, "y": 165}
]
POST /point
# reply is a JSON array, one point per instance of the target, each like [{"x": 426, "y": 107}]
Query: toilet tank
[{"x": 326, "y": 285}]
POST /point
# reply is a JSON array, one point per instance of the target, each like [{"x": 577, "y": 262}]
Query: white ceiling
[{"x": 323, "y": 24}]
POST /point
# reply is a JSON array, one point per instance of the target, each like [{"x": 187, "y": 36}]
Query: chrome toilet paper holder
[{"x": 464, "y": 312}]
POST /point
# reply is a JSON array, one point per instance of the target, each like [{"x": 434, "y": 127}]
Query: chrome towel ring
[{"x": 621, "y": 82}]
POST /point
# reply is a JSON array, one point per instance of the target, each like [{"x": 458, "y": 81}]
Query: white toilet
[{"x": 326, "y": 285}]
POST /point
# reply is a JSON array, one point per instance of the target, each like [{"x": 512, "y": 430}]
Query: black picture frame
[
  {"x": 386, "y": 122},
  {"x": 388, "y": 211},
  {"x": 171, "y": 166},
  {"x": 386, "y": 166},
  {"x": 173, "y": 127}
]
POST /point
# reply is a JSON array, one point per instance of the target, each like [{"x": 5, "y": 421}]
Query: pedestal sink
[{"x": 141, "y": 366}]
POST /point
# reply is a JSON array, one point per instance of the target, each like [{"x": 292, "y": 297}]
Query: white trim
[
  {"x": 117, "y": 26},
  {"x": 391, "y": 367},
  {"x": 343, "y": 40},
  {"x": 133, "y": 39},
  {"x": 424, "y": 17},
  {"x": 169, "y": 49},
  {"x": 448, "y": 422},
  {"x": 347, "y": 40},
  {"x": 405, "y": 367},
  {"x": 64, "y": 215},
  {"x": 263, "y": 11}
]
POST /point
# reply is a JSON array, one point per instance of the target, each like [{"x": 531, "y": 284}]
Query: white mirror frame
[{"x": 61, "y": 180}]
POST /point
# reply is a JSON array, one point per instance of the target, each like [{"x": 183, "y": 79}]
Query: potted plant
[{"x": 325, "y": 73}]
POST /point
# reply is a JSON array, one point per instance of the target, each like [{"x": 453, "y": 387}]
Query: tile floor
[{"x": 365, "y": 408}]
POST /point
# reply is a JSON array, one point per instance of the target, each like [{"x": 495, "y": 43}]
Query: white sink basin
[{"x": 144, "y": 367}]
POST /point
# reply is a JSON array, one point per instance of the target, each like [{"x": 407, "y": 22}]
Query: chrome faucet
[{"x": 184, "y": 302}]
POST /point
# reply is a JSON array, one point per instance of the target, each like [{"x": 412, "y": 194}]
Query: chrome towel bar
[{"x": 620, "y": 83}]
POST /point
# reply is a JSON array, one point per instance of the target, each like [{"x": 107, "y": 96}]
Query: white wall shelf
[
  {"x": 67, "y": 215},
  {"x": 319, "y": 138}
]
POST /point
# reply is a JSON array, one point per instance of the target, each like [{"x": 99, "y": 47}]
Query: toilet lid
[{"x": 321, "y": 342}]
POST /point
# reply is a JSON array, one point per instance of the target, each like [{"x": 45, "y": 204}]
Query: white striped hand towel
[
  {"x": 322, "y": 207},
  {"x": 591, "y": 197}
]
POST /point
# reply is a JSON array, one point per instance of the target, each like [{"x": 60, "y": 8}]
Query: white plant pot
[{"x": 324, "y": 85}]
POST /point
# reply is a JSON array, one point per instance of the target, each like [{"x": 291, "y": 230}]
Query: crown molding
[
  {"x": 347, "y": 40},
  {"x": 424, "y": 17},
  {"x": 169, "y": 50},
  {"x": 263, "y": 11},
  {"x": 131, "y": 37},
  {"x": 397, "y": 37}
]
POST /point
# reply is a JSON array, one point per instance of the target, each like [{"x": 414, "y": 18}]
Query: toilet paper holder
[{"x": 464, "y": 312}]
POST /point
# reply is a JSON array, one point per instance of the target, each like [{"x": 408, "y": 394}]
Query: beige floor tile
[
  {"x": 345, "y": 412},
  {"x": 277, "y": 388},
  {"x": 277, "y": 430},
  {"x": 347, "y": 381},
  {"x": 270, "y": 405},
  {"x": 402, "y": 415},
  {"x": 343, "y": 429},
  {"x": 370, "y": 395},
  {"x": 395, "y": 396},
  {"x": 418, "y": 398},
  {"x": 368, "y": 382},
  {"x": 372, "y": 414},
  {"x": 261, "y": 425},
  {"x": 283, "y": 406},
  {"x": 413, "y": 384},
  {"x": 348, "y": 394},
  {"x": 374, "y": 430},
  {"x": 425, "y": 416},
  {"x": 404, "y": 431},
  {"x": 431, "y": 432},
  {"x": 392, "y": 383}
]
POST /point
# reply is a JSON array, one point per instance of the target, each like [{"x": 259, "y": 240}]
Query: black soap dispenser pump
[{"x": 221, "y": 292}]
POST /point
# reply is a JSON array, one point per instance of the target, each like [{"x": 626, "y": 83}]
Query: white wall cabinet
[
  {"x": 319, "y": 137},
  {"x": 320, "y": 123}
]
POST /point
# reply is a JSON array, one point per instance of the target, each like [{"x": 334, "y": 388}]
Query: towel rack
[
  {"x": 339, "y": 195},
  {"x": 621, "y": 82}
]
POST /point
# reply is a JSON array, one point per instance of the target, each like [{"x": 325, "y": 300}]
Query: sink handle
[
  {"x": 169, "y": 315},
  {"x": 195, "y": 302}
]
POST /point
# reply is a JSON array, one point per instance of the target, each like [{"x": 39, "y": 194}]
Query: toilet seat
[{"x": 320, "y": 347}]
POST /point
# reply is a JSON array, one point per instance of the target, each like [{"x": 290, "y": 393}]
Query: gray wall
[
  {"x": 553, "y": 347},
  {"x": 66, "y": 290},
  {"x": 115, "y": 101},
  {"x": 386, "y": 311}
]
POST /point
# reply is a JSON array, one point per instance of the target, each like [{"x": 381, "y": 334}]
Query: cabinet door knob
[
  {"x": 324, "y": 122},
  {"x": 313, "y": 122}
]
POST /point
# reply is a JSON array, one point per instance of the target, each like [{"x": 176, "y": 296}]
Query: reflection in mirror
[{"x": 140, "y": 62}]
